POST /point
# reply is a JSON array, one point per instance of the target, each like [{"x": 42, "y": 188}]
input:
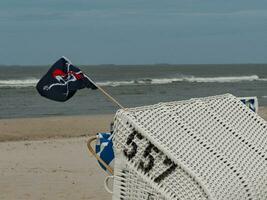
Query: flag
[
  {"x": 62, "y": 81},
  {"x": 104, "y": 149}
]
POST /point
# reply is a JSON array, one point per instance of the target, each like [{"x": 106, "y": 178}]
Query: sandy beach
[
  {"x": 47, "y": 158},
  {"x": 50, "y": 169}
]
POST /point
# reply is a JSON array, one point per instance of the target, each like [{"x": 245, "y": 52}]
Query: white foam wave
[
  {"x": 191, "y": 79},
  {"x": 226, "y": 79},
  {"x": 116, "y": 83},
  {"x": 31, "y": 82}
]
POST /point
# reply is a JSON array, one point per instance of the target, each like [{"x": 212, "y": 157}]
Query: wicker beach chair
[{"x": 206, "y": 148}]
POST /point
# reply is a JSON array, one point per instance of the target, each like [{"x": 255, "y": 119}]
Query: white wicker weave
[{"x": 207, "y": 148}]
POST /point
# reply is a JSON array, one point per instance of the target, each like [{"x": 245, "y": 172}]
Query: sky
[{"x": 37, "y": 32}]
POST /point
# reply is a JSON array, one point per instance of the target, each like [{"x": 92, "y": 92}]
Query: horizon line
[{"x": 155, "y": 64}]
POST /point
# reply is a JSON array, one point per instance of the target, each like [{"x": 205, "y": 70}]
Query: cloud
[
  {"x": 48, "y": 14},
  {"x": 250, "y": 13},
  {"x": 32, "y": 16},
  {"x": 145, "y": 28}
]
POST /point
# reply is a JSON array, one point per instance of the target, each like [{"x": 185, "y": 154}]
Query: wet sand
[{"x": 53, "y": 127}]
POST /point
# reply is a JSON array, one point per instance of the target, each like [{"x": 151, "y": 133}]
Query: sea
[{"x": 131, "y": 85}]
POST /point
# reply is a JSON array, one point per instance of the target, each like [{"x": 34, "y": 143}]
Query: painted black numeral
[
  {"x": 147, "y": 167},
  {"x": 148, "y": 161},
  {"x": 167, "y": 172},
  {"x": 131, "y": 152}
]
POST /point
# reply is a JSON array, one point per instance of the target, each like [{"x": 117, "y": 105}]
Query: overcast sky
[{"x": 133, "y": 31}]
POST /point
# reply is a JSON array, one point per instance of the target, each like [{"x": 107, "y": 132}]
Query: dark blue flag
[{"x": 62, "y": 81}]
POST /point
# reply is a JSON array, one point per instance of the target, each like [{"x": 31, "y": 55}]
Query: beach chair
[{"x": 205, "y": 148}]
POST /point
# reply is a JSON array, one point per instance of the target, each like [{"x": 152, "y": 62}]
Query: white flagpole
[
  {"x": 109, "y": 97},
  {"x": 106, "y": 94}
]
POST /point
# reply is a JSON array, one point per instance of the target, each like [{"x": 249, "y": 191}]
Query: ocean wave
[
  {"x": 225, "y": 79},
  {"x": 31, "y": 82},
  {"x": 116, "y": 83},
  {"x": 18, "y": 83},
  {"x": 191, "y": 79}
]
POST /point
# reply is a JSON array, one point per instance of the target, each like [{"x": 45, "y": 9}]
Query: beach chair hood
[{"x": 206, "y": 148}]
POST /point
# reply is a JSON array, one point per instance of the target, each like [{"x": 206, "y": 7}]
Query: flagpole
[
  {"x": 110, "y": 97},
  {"x": 105, "y": 93}
]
